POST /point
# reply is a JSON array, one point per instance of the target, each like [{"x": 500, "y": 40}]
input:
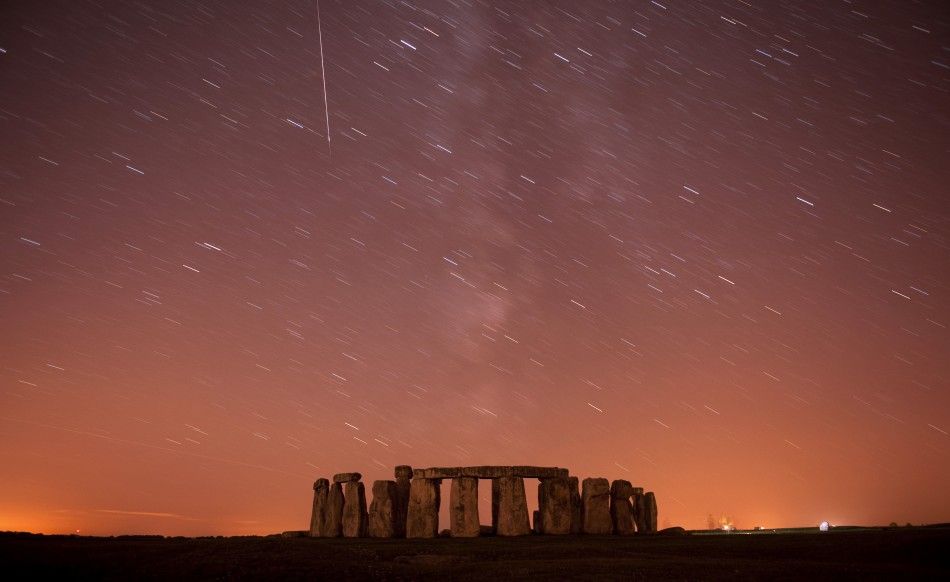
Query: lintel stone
[
  {"x": 347, "y": 477},
  {"x": 491, "y": 472}
]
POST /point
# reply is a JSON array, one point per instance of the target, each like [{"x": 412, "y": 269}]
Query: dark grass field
[{"x": 858, "y": 554}]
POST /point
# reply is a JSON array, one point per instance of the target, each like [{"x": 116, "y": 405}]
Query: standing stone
[
  {"x": 494, "y": 507},
  {"x": 403, "y": 475},
  {"x": 536, "y": 521},
  {"x": 422, "y": 519},
  {"x": 382, "y": 511},
  {"x": 354, "y": 510},
  {"x": 649, "y": 509},
  {"x": 509, "y": 507},
  {"x": 639, "y": 512},
  {"x": 621, "y": 510},
  {"x": 576, "y": 511},
  {"x": 333, "y": 526},
  {"x": 318, "y": 516},
  {"x": 463, "y": 508},
  {"x": 595, "y": 503},
  {"x": 554, "y": 506}
]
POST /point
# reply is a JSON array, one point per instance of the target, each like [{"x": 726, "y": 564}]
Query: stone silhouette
[
  {"x": 409, "y": 506},
  {"x": 333, "y": 527},
  {"x": 463, "y": 507},
  {"x": 649, "y": 520},
  {"x": 621, "y": 510},
  {"x": 318, "y": 515},
  {"x": 347, "y": 477},
  {"x": 403, "y": 474},
  {"x": 577, "y": 523},
  {"x": 355, "y": 517},
  {"x": 509, "y": 507},
  {"x": 422, "y": 519},
  {"x": 639, "y": 509},
  {"x": 595, "y": 504},
  {"x": 382, "y": 511},
  {"x": 554, "y": 506},
  {"x": 490, "y": 472}
]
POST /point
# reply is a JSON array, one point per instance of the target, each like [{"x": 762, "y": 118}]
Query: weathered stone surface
[
  {"x": 639, "y": 512},
  {"x": 576, "y": 510},
  {"x": 403, "y": 474},
  {"x": 621, "y": 510},
  {"x": 649, "y": 521},
  {"x": 595, "y": 504},
  {"x": 318, "y": 514},
  {"x": 490, "y": 472},
  {"x": 536, "y": 521},
  {"x": 644, "y": 512},
  {"x": 333, "y": 526},
  {"x": 346, "y": 477},
  {"x": 355, "y": 517},
  {"x": 382, "y": 511},
  {"x": 554, "y": 506},
  {"x": 463, "y": 507},
  {"x": 436, "y": 473},
  {"x": 621, "y": 489},
  {"x": 509, "y": 507},
  {"x": 422, "y": 520},
  {"x": 530, "y": 472},
  {"x": 494, "y": 507},
  {"x": 637, "y": 491}
]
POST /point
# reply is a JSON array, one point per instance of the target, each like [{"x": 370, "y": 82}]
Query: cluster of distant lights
[{"x": 823, "y": 526}]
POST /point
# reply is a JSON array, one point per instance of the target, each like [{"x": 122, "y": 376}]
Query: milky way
[{"x": 702, "y": 246}]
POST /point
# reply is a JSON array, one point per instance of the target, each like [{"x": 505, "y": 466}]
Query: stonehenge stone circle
[
  {"x": 595, "y": 500},
  {"x": 409, "y": 506}
]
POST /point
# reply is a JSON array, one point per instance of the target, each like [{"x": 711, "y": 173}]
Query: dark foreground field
[{"x": 900, "y": 553}]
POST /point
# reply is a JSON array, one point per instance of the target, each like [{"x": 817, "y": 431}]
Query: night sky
[{"x": 702, "y": 246}]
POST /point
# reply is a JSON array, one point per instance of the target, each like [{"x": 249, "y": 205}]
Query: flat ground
[{"x": 898, "y": 553}]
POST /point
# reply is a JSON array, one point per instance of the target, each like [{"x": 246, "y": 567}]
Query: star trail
[{"x": 701, "y": 246}]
